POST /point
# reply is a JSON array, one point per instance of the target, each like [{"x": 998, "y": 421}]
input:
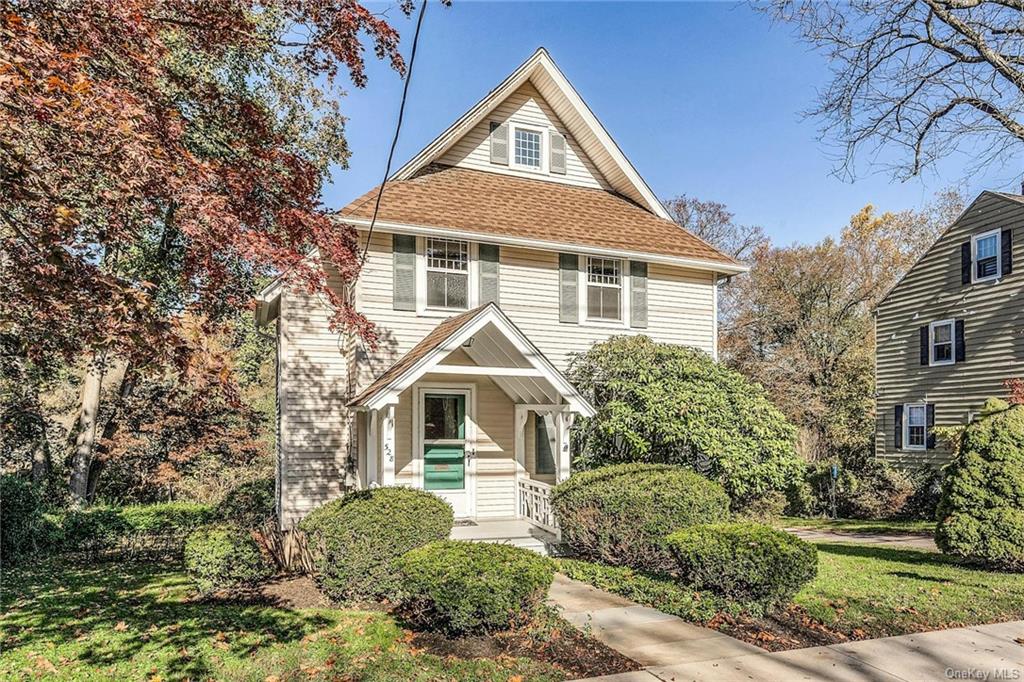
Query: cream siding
[
  {"x": 525, "y": 106},
  {"x": 680, "y": 306},
  {"x": 312, "y": 391},
  {"x": 993, "y": 315}
]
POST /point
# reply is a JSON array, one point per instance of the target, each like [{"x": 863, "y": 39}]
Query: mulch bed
[
  {"x": 562, "y": 646},
  {"x": 553, "y": 641},
  {"x": 789, "y": 629}
]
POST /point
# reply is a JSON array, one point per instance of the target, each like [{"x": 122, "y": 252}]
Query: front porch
[
  {"x": 519, "y": 532},
  {"x": 476, "y": 415}
]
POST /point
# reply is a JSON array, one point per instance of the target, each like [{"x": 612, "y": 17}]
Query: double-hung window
[
  {"x": 916, "y": 425},
  {"x": 447, "y": 273},
  {"x": 941, "y": 335},
  {"x": 604, "y": 289},
  {"x": 527, "y": 147},
  {"x": 985, "y": 252}
]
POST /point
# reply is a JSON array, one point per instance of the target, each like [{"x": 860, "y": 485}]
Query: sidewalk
[{"x": 676, "y": 651}]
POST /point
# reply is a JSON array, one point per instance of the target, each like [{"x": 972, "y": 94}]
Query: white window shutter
[
  {"x": 558, "y": 153},
  {"x": 403, "y": 247},
  {"x": 499, "y": 143},
  {"x": 568, "y": 303}
]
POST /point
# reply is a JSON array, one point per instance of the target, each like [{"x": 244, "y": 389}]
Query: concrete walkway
[
  {"x": 917, "y": 541},
  {"x": 676, "y": 651}
]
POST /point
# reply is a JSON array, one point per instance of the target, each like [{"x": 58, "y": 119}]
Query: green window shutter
[
  {"x": 558, "y": 153},
  {"x": 568, "y": 298},
  {"x": 638, "y": 294},
  {"x": 403, "y": 247},
  {"x": 490, "y": 255},
  {"x": 499, "y": 143}
]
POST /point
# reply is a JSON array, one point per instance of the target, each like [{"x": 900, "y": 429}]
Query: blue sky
[{"x": 704, "y": 98}]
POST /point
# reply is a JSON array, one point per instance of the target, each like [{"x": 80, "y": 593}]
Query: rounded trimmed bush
[
  {"x": 462, "y": 587},
  {"x": 981, "y": 512},
  {"x": 249, "y": 505},
  {"x": 220, "y": 557},
  {"x": 356, "y": 539},
  {"x": 622, "y": 513},
  {"x": 744, "y": 561}
]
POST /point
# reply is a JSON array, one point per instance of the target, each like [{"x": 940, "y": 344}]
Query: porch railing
[{"x": 535, "y": 504}]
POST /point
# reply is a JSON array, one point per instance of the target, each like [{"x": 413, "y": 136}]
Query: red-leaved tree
[{"x": 156, "y": 158}]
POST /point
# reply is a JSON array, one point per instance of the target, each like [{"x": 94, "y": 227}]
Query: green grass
[
  {"x": 873, "y": 591},
  {"x": 136, "y": 621},
  {"x": 861, "y": 591},
  {"x": 858, "y": 525}
]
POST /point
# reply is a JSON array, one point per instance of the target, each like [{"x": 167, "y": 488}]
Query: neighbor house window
[
  {"x": 447, "y": 273},
  {"x": 604, "y": 289},
  {"x": 916, "y": 436},
  {"x": 527, "y": 147},
  {"x": 941, "y": 334},
  {"x": 985, "y": 248}
]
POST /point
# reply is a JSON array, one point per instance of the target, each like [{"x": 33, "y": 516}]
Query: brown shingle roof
[
  {"x": 435, "y": 338},
  {"x": 494, "y": 203}
]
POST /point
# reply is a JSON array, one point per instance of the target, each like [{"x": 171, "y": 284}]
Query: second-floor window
[
  {"x": 604, "y": 289},
  {"x": 447, "y": 274},
  {"x": 916, "y": 437},
  {"x": 985, "y": 248},
  {"x": 941, "y": 334}
]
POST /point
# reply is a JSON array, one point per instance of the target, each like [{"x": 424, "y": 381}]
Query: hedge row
[{"x": 27, "y": 527}]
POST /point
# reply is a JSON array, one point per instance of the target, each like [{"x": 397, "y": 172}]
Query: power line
[{"x": 398, "y": 128}]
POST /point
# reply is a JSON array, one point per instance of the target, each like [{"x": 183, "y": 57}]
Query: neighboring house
[
  {"x": 951, "y": 331},
  {"x": 519, "y": 236}
]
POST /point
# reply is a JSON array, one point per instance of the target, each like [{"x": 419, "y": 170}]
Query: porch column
[
  {"x": 387, "y": 446},
  {"x": 372, "y": 447},
  {"x": 564, "y": 421}
]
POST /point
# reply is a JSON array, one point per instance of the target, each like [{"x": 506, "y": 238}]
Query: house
[
  {"x": 521, "y": 235},
  {"x": 951, "y": 331}
]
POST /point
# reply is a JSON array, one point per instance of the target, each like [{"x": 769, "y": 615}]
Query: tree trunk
[{"x": 81, "y": 460}]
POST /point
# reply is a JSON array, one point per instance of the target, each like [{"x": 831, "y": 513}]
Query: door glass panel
[
  {"x": 545, "y": 430},
  {"x": 443, "y": 417}
]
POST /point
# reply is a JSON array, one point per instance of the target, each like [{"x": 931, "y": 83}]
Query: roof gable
[
  {"x": 979, "y": 202},
  {"x": 579, "y": 121}
]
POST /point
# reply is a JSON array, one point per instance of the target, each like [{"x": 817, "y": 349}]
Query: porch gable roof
[{"x": 445, "y": 338}]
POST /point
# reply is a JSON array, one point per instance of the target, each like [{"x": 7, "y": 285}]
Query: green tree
[
  {"x": 981, "y": 513},
  {"x": 663, "y": 403}
]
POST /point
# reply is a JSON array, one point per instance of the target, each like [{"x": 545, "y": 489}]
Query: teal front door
[{"x": 445, "y": 447}]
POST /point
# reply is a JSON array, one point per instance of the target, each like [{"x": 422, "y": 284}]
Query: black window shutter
[
  {"x": 924, "y": 345},
  {"x": 961, "y": 347},
  {"x": 1007, "y": 247},
  {"x": 898, "y": 434},
  {"x": 965, "y": 262},
  {"x": 930, "y": 411}
]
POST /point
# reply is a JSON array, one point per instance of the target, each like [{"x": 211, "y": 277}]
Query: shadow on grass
[
  {"x": 903, "y": 555},
  {"x": 116, "y": 612}
]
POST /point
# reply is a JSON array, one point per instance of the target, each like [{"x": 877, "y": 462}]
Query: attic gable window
[
  {"x": 447, "y": 274},
  {"x": 985, "y": 249},
  {"x": 527, "y": 145}
]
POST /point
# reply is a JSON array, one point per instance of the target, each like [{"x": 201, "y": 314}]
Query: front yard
[
  {"x": 138, "y": 621},
  {"x": 889, "y": 527},
  {"x": 860, "y": 592}
]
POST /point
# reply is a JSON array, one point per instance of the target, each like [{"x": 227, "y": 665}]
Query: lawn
[
  {"x": 896, "y": 527},
  {"x": 861, "y": 591},
  {"x": 874, "y": 591},
  {"x": 137, "y": 621}
]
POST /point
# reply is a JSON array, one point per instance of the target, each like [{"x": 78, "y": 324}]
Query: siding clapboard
[
  {"x": 993, "y": 316},
  {"x": 528, "y": 107}
]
